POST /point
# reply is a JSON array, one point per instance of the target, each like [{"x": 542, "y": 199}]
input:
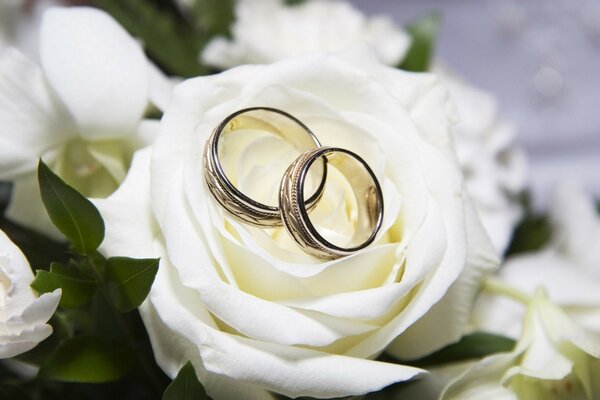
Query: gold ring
[
  {"x": 225, "y": 193},
  {"x": 368, "y": 194}
]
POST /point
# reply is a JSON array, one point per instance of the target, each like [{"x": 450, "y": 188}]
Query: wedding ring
[
  {"x": 224, "y": 191},
  {"x": 367, "y": 191}
]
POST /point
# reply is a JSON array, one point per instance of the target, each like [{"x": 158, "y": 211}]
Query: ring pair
[{"x": 293, "y": 208}]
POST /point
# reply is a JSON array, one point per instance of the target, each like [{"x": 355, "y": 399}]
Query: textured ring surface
[
  {"x": 224, "y": 191},
  {"x": 366, "y": 188}
]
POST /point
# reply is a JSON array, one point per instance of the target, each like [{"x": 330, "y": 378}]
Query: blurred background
[{"x": 541, "y": 58}]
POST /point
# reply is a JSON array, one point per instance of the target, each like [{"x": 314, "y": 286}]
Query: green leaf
[
  {"x": 129, "y": 281},
  {"x": 471, "y": 346},
  {"x": 60, "y": 331},
  {"x": 214, "y": 17},
  {"x": 167, "y": 38},
  {"x": 423, "y": 33},
  {"x": 87, "y": 359},
  {"x": 533, "y": 232},
  {"x": 77, "y": 289},
  {"x": 39, "y": 249},
  {"x": 74, "y": 215},
  {"x": 185, "y": 386}
]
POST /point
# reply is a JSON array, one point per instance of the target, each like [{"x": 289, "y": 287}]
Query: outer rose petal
[
  {"x": 97, "y": 69},
  {"x": 171, "y": 349},
  {"x": 32, "y": 120},
  {"x": 292, "y": 371},
  {"x": 445, "y": 322},
  {"x": 127, "y": 214}
]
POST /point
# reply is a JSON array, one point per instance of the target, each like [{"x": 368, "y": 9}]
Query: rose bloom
[
  {"x": 493, "y": 164},
  {"x": 248, "y": 307},
  {"x": 23, "y": 314},
  {"x": 269, "y": 30}
]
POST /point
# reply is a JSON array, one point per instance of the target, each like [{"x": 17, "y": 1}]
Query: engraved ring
[
  {"x": 368, "y": 195},
  {"x": 224, "y": 191}
]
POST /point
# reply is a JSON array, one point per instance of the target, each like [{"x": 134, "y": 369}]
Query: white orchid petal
[
  {"x": 482, "y": 379},
  {"x": 541, "y": 358},
  {"x": 32, "y": 120},
  {"x": 565, "y": 282},
  {"x": 27, "y": 209},
  {"x": 97, "y": 69}
]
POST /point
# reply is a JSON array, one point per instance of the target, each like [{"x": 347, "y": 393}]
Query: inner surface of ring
[
  {"x": 260, "y": 127},
  {"x": 368, "y": 202}
]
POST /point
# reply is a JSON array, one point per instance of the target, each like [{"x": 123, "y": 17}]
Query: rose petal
[
  {"x": 286, "y": 369},
  {"x": 128, "y": 220},
  {"x": 445, "y": 322},
  {"x": 171, "y": 350},
  {"x": 248, "y": 314}
]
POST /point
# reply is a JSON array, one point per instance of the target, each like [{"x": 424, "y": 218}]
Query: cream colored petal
[
  {"x": 446, "y": 321},
  {"x": 285, "y": 369},
  {"x": 128, "y": 220}
]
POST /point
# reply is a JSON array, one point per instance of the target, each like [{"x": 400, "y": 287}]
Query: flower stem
[
  {"x": 153, "y": 379},
  {"x": 501, "y": 288}
]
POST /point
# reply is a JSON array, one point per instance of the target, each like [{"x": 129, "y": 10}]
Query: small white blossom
[
  {"x": 23, "y": 315},
  {"x": 554, "y": 358},
  {"x": 269, "y": 30},
  {"x": 493, "y": 164},
  {"x": 81, "y": 110}
]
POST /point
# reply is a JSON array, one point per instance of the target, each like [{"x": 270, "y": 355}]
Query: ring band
[
  {"x": 368, "y": 194},
  {"x": 223, "y": 190}
]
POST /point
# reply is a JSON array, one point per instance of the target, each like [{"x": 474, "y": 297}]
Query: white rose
[
  {"x": 269, "y": 30},
  {"x": 23, "y": 315},
  {"x": 251, "y": 310},
  {"x": 554, "y": 359},
  {"x": 81, "y": 111},
  {"x": 494, "y": 166},
  {"x": 568, "y": 269}
]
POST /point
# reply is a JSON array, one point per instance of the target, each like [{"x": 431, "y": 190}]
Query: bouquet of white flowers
[{"x": 269, "y": 200}]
